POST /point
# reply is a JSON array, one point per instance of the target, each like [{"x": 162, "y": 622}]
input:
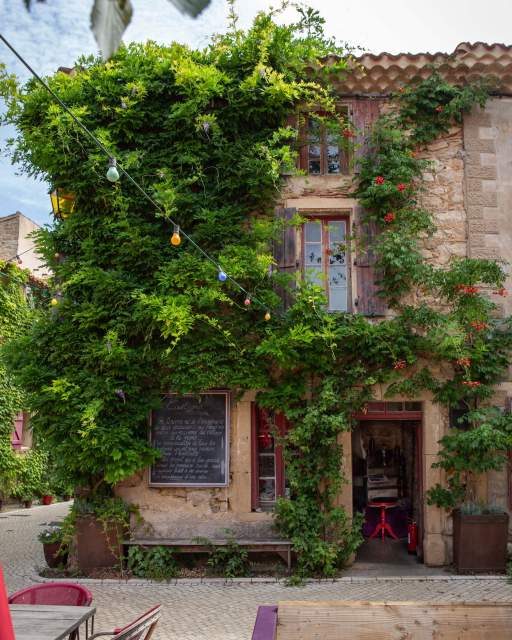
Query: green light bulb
[{"x": 112, "y": 173}]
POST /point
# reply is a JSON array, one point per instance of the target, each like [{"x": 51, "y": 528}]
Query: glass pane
[
  {"x": 267, "y": 490},
  {"x": 338, "y": 299},
  {"x": 313, "y": 254},
  {"x": 376, "y": 407},
  {"x": 336, "y": 231},
  {"x": 266, "y": 466},
  {"x": 337, "y": 276},
  {"x": 265, "y": 443},
  {"x": 413, "y": 406},
  {"x": 313, "y": 232},
  {"x": 395, "y": 406},
  {"x": 333, "y": 158},
  {"x": 313, "y": 130}
]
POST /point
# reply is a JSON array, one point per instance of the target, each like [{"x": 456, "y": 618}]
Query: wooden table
[{"x": 46, "y": 621}]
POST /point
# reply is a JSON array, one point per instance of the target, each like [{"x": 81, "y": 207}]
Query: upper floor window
[
  {"x": 323, "y": 153},
  {"x": 325, "y": 259}
]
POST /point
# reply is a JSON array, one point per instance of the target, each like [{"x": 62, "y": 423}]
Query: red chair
[
  {"x": 139, "y": 629},
  {"x": 57, "y": 593}
]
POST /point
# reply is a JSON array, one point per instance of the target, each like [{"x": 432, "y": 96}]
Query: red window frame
[
  {"x": 326, "y": 252},
  {"x": 260, "y": 425}
]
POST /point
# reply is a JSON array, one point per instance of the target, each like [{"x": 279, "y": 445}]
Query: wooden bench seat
[{"x": 283, "y": 548}]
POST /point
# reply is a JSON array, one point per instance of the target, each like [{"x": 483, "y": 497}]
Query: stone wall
[{"x": 15, "y": 239}]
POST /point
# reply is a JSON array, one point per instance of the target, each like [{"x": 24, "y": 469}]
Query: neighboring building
[
  {"x": 15, "y": 240},
  {"x": 470, "y": 194}
]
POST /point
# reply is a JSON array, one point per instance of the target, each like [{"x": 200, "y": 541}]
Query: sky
[{"x": 55, "y": 33}]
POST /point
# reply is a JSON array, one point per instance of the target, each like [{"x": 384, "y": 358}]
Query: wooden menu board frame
[{"x": 225, "y": 483}]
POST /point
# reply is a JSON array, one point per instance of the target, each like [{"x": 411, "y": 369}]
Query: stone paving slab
[{"x": 213, "y": 609}]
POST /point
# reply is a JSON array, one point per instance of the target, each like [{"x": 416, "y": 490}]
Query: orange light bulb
[
  {"x": 54, "y": 302},
  {"x": 176, "y": 238},
  {"x": 267, "y": 316}
]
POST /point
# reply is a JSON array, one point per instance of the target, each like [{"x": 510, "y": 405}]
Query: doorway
[{"x": 387, "y": 484}]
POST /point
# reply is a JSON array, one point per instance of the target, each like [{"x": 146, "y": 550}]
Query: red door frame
[
  {"x": 282, "y": 427},
  {"x": 405, "y": 416}
]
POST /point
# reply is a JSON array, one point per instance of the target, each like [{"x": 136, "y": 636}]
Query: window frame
[
  {"x": 280, "y": 480},
  {"x": 326, "y": 218},
  {"x": 345, "y": 156}
]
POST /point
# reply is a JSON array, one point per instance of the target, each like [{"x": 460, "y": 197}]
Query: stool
[{"x": 383, "y": 525}]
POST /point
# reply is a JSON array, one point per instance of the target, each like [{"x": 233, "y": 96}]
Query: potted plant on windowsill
[
  {"x": 480, "y": 531},
  {"x": 55, "y": 553}
]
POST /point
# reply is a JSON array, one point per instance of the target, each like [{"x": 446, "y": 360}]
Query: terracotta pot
[
  {"x": 27, "y": 503},
  {"x": 96, "y": 546},
  {"x": 47, "y": 499},
  {"x": 480, "y": 542},
  {"x": 50, "y": 554}
]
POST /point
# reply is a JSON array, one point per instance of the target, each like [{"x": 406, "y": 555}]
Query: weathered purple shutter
[
  {"x": 285, "y": 251},
  {"x": 368, "y": 301},
  {"x": 364, "y": 113},
  {"x": 17, "y": 434}
]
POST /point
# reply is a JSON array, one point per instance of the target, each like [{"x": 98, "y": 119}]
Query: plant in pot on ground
[
  {"x": 54, "y": 546},
  {"x": 480, "y": 531}
]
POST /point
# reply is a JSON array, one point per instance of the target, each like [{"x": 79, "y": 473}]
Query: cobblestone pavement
[{"x": 214, "y": 610}]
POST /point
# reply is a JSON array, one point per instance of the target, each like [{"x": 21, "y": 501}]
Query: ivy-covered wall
[{"x": 205, "y": 132}]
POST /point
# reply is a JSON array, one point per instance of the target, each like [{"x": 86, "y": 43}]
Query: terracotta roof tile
[{"x": 385, "y": 72}]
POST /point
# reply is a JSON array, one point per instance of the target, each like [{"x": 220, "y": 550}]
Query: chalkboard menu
[{"x": 192, "y": 435}]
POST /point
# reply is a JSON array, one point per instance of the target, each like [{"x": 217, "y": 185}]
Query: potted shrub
[
  {"x": 480, "y": 531},
  {"x": 55, "y": 553}
]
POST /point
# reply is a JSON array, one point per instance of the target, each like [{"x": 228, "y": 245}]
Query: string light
[
  {"x": 175, "y": 238},
  {"x": 112, "y": 173},
  {"x": 247, "y": 301},
  {"x": 267, "y": 316},
  {"x": 54, "y": 302},
  {"x": 114, "y": 170}
]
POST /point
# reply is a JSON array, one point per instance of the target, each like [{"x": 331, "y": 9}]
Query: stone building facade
[
  {"x": 15, "y": 239},
  {"x": 469, "y": 191}
]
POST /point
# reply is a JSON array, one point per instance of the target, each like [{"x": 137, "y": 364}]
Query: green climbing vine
[{"x": 205, "y": 132}]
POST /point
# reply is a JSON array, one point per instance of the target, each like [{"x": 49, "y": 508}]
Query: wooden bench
[
  {"x": 355, "y": 620},
  {"x": 283, "y": 548}
]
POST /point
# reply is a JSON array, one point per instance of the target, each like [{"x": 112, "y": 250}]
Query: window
[
  {"x": 268, "y": 481},
  {"x": 325, "y": 260},
  {"x": 322, "y": 154}
]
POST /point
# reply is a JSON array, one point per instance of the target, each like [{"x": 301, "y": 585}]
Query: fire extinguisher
[{"x": 412, "y": 537}]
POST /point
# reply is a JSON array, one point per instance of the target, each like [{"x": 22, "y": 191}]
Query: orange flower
[{"x": 464, "y": 362}]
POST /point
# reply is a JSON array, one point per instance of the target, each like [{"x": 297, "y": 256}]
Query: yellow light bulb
[
  {"x": 54, "y": 302},
  {"x": 267, "y": 316},
  {"x": 175, "y": 239}
]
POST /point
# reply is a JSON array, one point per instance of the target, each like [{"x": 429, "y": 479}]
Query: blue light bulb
[{"x": 222, "y": 276}]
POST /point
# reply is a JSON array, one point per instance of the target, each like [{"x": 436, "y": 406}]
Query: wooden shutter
[
  {"x": 368, "y": 302},
  {"x": 364, "y": 113},
  {"x": 17, "y": 434},
  {"x": 285, "y": 252}
]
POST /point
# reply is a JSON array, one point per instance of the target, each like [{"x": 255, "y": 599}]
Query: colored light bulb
[
  {"x": 222, "y": 276},
  {"x": 54, "y": 302},
  {"x": 176, "y": 238},
  {"x": 267, "y": 316},
  {"x": 247, "y": 301},
  {"x": 112, "y": 173}
]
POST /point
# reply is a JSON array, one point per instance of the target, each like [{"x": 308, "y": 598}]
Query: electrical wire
[{"x": 124, "y": 172}]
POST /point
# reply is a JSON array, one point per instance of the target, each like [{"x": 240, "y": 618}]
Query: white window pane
[
  {"x": 337, "y": 276},
  {"x": 313, "y": 254},
  {"x": 336, "y": 231},
  {"x": 338, "y": 299},
  {"x": 313, "y": 232},
  {"x": 337, "y": 258}
]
